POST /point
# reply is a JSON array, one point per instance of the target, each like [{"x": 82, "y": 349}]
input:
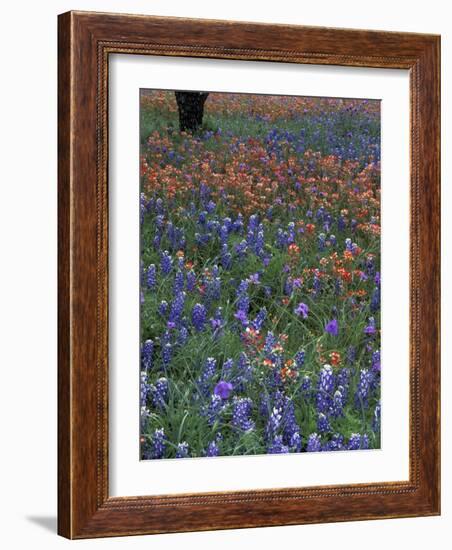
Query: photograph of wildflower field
[{"x": 260, "y": 274}]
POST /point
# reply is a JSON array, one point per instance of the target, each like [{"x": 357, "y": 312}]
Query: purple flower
[
  {"x": 299, "y": 358},
  {"x": 212, "y": 449},
  {"x": 376, "y": 362},
  {"x": 295, "y": 442},
  {"x": 177, "y": 308},
  {"x": 223, "y": 389},
  {"x": 241, "y": 413},
  {"x": 332, "y": 327},
  {"x": 198, "y": 317},
  {"x": 166, "y": 263},
  {"x": 163, "y": 308},
  {"x": 314, "y": 443},
  {"x": 358, "y": 441},
  {"x": 242, "y": 317},
  {"x": 322, "y": 423},
  {"x": 207, "y": 374},
  {"x": 254, "y": 278},
  {"x": 145, "y": 388},
  {"x": 363, "y": 388},
  {"x": 376, "y": 417},
  {"x": 160, "y": 393},
  {"x": 277, "y": 446},
  {"x": 191, "y": 281},
  {"x": 182, "y": 450},
  {"x": 370, "y": 329},
  {"x": 214, "y": 409},
  {"x": 147, "y": 352},
  {"x": 151, "y": 277},
  {"x": 302, "y": 310},
  {"x": 158, "y": 443},
  {"x": 259, "y": 319},
  {"x": 325, "y": 388}
]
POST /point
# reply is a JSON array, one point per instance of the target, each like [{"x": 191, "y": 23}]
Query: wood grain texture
[{"x": 85, "y": 42}]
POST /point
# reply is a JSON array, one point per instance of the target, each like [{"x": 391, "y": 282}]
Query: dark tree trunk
[{"x": 191, "y": 109}]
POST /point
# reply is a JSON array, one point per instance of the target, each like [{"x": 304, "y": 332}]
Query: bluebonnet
[
  {"x": 243, "y": 300},
  {"x": 158, "y": 443},
  {"x": 277, "y": 446},
  {"x": 273, "y": 424},
  {"x": 375, "y": 300},
  {"x": 191, "y": 281},
  {"x": 177, "y": 308},
  {"x": 325, "y": 389},
  {"x": 217, "y": 320},
  {"x": 241, "y": 249},
  {"x": 295, "y": 442},
  {"x": 213, "y": 449},
  {"x": 163, "y": 308},
  {"x": 241, "y": 316},
  {"x": 147, "y": 355},
  {"x": 145, "y": 388},
  {"x": 376, "y": 362},
  {"x": 214, "y": 409},
  {"x": 182, "y": 450},
  {"x": 290, "y": 425},
  {"x": 376, "y": 418},
  {"x": 314, "y": 443},
  {"x": 363, "y": 388},
  {"x": 151, "y": 277},
  {"x": 160, "y": 393},
  {"x": 208, "y": 372},
  {"x": 166, "y": 263},
  {"x": 299, "y": 358},
  {"x": 182, "y": 336},
  {"x": 244, "y": 371},
  {"x": 167, "y": 354},
  {"x": 241, "y": 412},
  {"x": 323, "y": 424},
  {"x": 213, "y": 289},
  {"x": 198, "y": 317},
  {"x": 351, "y": 355},
  {"x": 337, "y": 408},
  {"x": 336, "y": 443},
  {"x": 306, "y": 384},
  {"x": 226, "y": 257},
  {"x": 259, "y": 319},
  {"x": 228, "y": 365},
  {"x": 316, "y": 285},
  {"x": 270, "y": 342},
  {"x": 357, "y": 441},
  {"x": 178, "y": 282}
]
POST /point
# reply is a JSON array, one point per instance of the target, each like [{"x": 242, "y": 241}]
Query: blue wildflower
[
  {"x": 158, "y": 443},
  {"x": 182, "y": 450},
  {"x": 198, "y": 317},
  {"x": 241, "y": 412},
  {"x": 332, "y": 327},
  {"x": 314, "y": 444},
  {"x": 302, "y": 310}
]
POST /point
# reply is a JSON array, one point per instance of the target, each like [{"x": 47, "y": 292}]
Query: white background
[
  {"x": 128, "y": 476},
  {"x": 28, "y": 270}
]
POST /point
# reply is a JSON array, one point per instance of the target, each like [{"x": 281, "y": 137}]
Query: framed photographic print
[{"x": 248, "y": 275}]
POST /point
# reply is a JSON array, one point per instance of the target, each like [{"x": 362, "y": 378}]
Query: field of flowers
[{"x": 260, "y": 276}]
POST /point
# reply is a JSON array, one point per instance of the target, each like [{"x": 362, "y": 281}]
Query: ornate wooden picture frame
[{"x": 86, "y": 40}]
